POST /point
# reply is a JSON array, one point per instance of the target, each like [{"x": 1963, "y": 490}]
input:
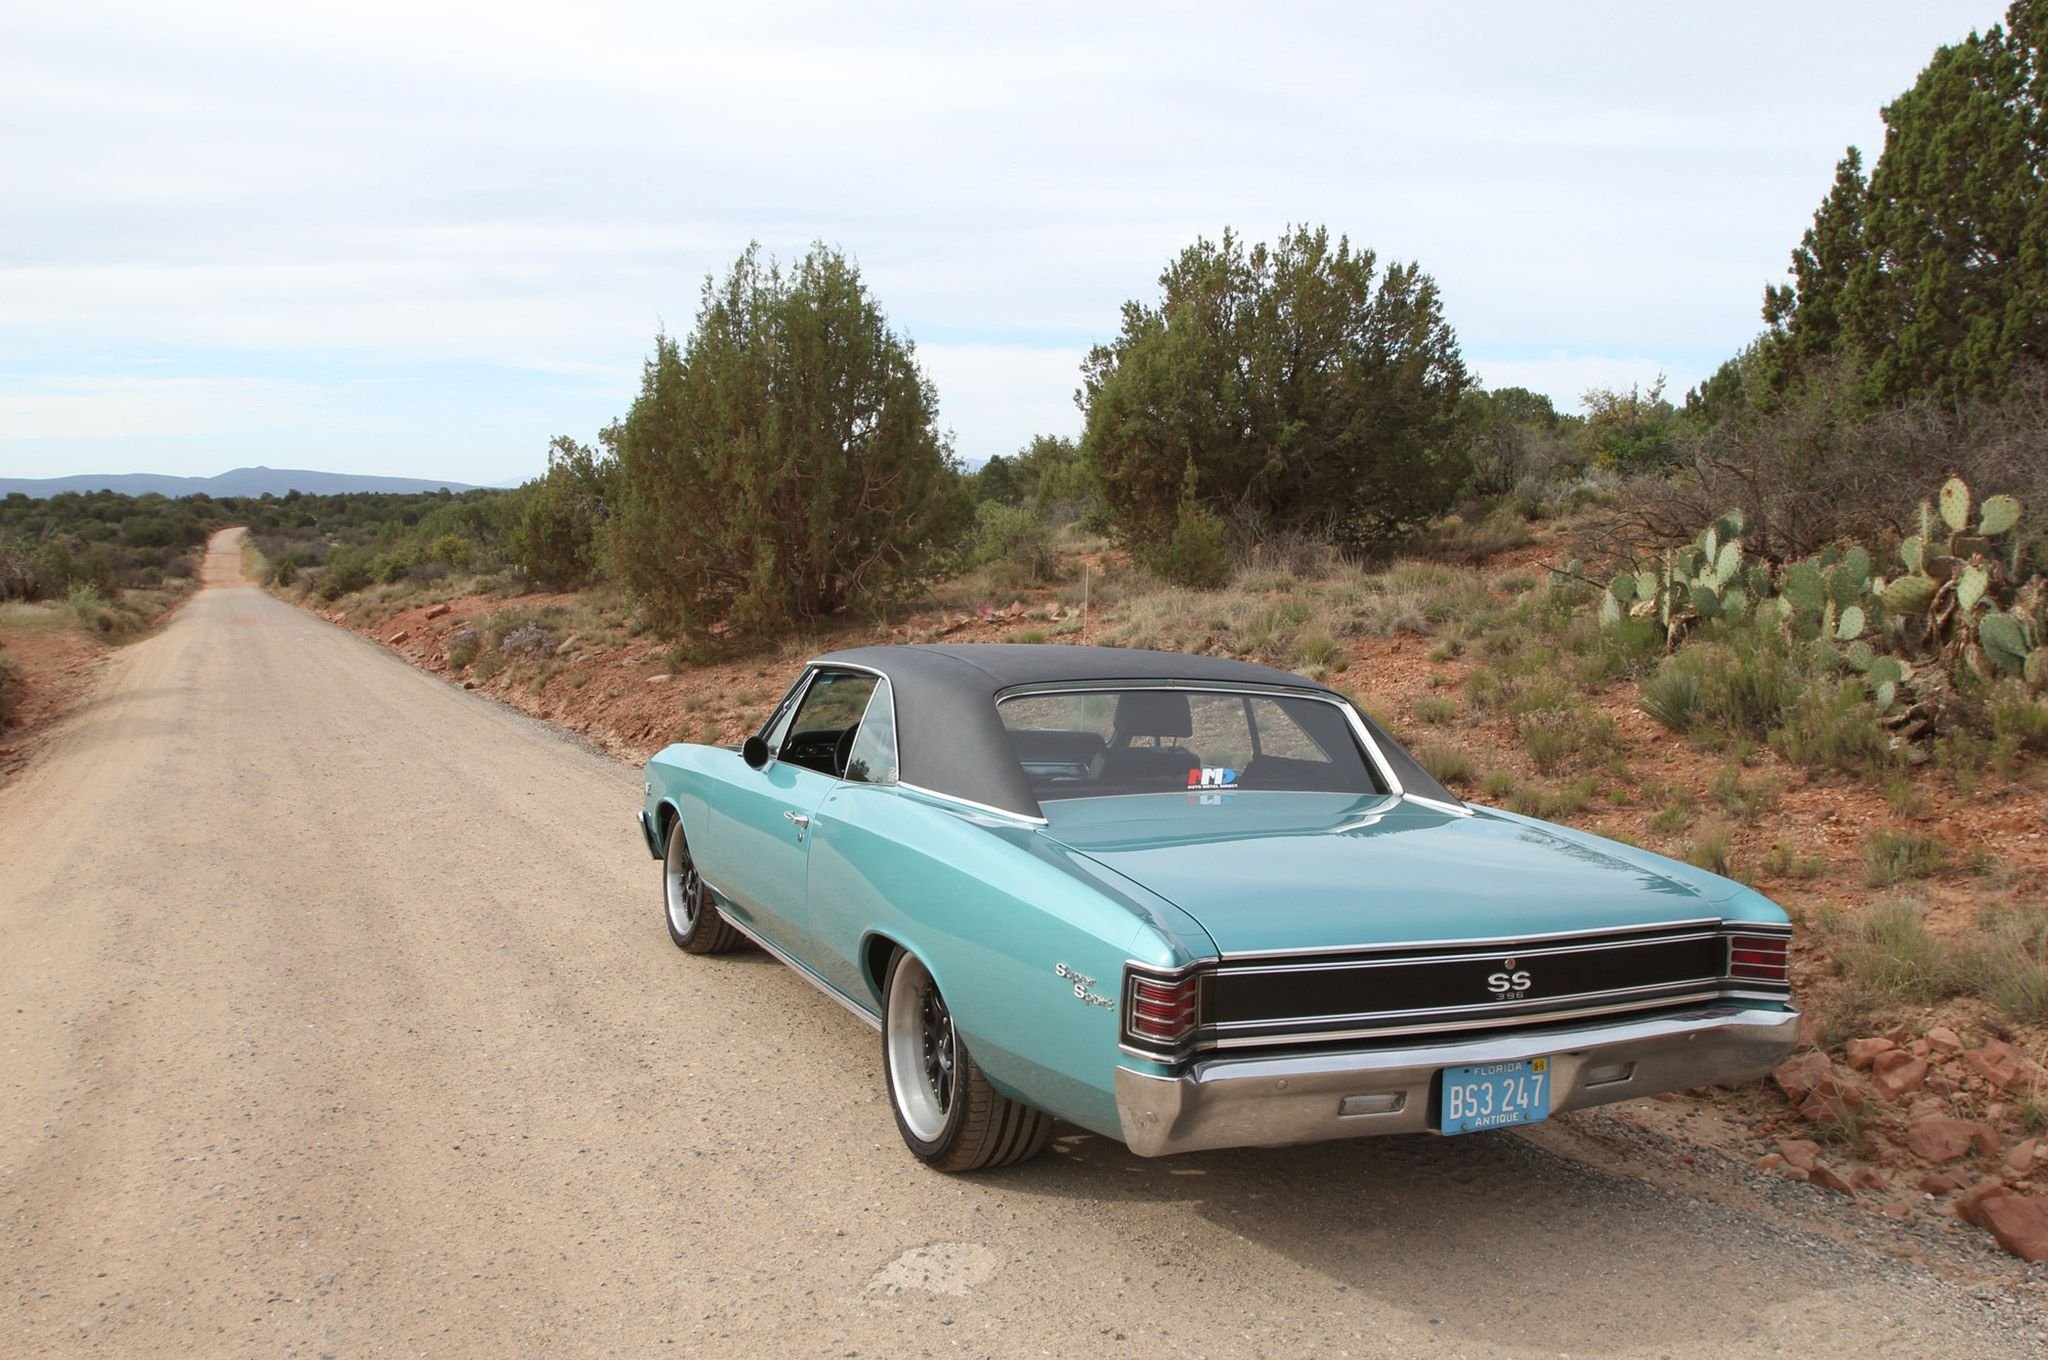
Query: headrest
[{"x": 1153, "y": 713}]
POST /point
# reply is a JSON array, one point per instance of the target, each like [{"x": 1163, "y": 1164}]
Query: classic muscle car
[{"x": 1188, "y": 902}]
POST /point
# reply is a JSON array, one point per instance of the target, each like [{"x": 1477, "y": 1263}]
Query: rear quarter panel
[{"x": 1026, "y": 941}]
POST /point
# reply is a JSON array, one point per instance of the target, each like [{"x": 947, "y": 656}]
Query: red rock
[
  {"x": 1869, "y": 1178},
  {"x": 1942, "y": 1084},
  {"x": 1927, "y": 1107},
  {"x": 1826, "y": 1178},
  {"x": 1797, "y": 1077},
  {"x": 398, "y": 637},
  {"x": 437, "y": 611},
  {"x": 1770, "y": 1161},
  {"x": 1941, "y": 1182},
  {"x": 1997, "y": 1062},
  {"x": 1832, "y": 1099},
  {"x": 1899, "y": 1033},
  {"x": 1942, "y": 1039},
  {"x": 2020, "y": 1223},
  {"x": 1969, "y": 1206},
  {"x": 1898, "y": 1208},
  {"x": 1919, "y": 1048},
  {"x": 1800, "y": 1152},
  {"x": 1944, "y": 1140},
  {"x": 1897, "y": 1075},
  {"x": 1863, "y": 1052},
  {"x": 2021, "y": 1158}
]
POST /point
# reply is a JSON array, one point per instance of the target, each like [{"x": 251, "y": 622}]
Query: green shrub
[
  {"x": 1198, "y": 553},
  {"x": 1316, "y": 655},
  {"x": 346, "y": 571},
  {"x": 1016, "y": 535},
  {"x": 1891, "y": 857},
  {"x": 1784, "y": 862},
  {"x": 1447, "y": 766},
  {"x": 1554, "y": 804},
  {"x": 1892, "y": 953},
  {"x": 1834, "y": 727},
  {"x": 1435, "y": 710},
  {"x": 452, "y": 550},
  {"x": 1743, "y": 800},
  {"x": 2012, "y": 962},
  {"x": 1711, "y": 848},
  {"x": 1672, "y": 697}
]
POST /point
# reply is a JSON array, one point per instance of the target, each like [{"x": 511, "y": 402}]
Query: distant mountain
[{"x": 249, "y": 481}]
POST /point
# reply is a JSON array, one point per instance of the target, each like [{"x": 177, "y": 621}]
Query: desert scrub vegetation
[
  {"x": 10, "y": 685},
  {"x": 1890, "y": 956},
  {"x": 1892, "y": 857}
]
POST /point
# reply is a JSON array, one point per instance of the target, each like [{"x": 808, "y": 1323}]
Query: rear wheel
[
  {"x": 947, "y": 1112},
  {"x": 693, "y": 922}
]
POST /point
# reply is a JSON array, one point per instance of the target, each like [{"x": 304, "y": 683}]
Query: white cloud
[
  {"x": 1012, "y": 394},
  {"x": 146, "y": 408},
  {"x": 208, "y": 188}
]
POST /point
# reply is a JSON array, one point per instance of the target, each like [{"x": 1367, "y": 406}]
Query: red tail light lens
[
  {"x": 1759, "y": 958},
  {"x": 1163, "y": 1012}
]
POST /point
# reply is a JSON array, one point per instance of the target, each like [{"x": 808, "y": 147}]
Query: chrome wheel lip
[
  {"x": 924, "y": 1052},
  {"x": 681, "y": 888}
]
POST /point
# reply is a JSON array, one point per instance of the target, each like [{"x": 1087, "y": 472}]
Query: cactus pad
[
  {"x": 1955, "y": 504},
  {"x": 2001, "y": 515},
  {"x": 1909, "y": 595}
]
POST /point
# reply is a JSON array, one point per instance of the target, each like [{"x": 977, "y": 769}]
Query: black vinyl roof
[{"x": 950, "y": 740}]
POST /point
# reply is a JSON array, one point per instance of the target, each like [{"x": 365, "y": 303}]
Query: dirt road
[{"x": 340, "y": 1020}]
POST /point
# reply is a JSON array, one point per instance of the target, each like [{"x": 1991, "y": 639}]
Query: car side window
[
  {"x": 873, "y": 757},
  {"x": 826, "y": 720}
]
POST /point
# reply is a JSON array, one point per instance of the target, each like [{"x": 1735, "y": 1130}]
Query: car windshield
[{"x": 1205, "y": 743}]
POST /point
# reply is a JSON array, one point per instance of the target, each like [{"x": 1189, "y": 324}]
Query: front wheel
[
  {"x": 947, "y": 1112},
  {"x": 693, "y": 921}
]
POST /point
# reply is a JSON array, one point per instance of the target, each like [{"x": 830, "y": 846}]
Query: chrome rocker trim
[{"x": 1274, "y": 1102}]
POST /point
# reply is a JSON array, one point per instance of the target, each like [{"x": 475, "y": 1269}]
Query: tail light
[
  {"x": 1759, "y": 958},
  {"x": 1161, "y": 1014}
]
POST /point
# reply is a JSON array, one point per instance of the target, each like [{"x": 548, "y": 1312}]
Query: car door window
[
  {"x": 826, "y": 721},
  {"x": 872, "y": 759}
]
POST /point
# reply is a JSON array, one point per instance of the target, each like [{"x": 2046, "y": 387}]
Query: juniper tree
[{"x": 784, "y": 462}]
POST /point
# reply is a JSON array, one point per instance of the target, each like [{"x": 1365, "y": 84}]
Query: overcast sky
[{"x": 421, "y": 238}]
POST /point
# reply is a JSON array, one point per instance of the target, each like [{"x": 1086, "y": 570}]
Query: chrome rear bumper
[{"x": 1270, "y": 1102}]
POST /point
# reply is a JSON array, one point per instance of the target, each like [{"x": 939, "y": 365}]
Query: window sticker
[{"x": 1212, "y": 777}]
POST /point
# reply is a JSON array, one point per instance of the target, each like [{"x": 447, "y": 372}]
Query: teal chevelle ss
[{"x": 1188, "y": 903}]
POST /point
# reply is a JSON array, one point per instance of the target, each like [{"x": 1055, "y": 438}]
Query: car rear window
[{"x": 1092, "y": 742}]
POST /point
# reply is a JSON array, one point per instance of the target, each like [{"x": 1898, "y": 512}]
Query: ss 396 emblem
[{"x": 1511, "y": 984}]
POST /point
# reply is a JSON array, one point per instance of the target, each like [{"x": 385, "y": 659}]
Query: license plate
[{"x": 1495, "y": 1095}]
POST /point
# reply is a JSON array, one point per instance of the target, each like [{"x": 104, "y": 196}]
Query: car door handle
[{"x": 799, "y": 818}]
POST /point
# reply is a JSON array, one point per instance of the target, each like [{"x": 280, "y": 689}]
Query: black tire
[
  {"x": 947, "y": 1112},
  {"x": 693, "y": 920}
]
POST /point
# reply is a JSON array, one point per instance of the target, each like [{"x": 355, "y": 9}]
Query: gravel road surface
[{"x": 340, "y": 1020}]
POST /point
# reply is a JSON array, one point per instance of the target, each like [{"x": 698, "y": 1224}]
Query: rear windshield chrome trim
[{"x": 1456, "y": 810}]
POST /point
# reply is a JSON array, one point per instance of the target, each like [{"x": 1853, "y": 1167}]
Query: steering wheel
[{"x": 842, "y": 750}]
